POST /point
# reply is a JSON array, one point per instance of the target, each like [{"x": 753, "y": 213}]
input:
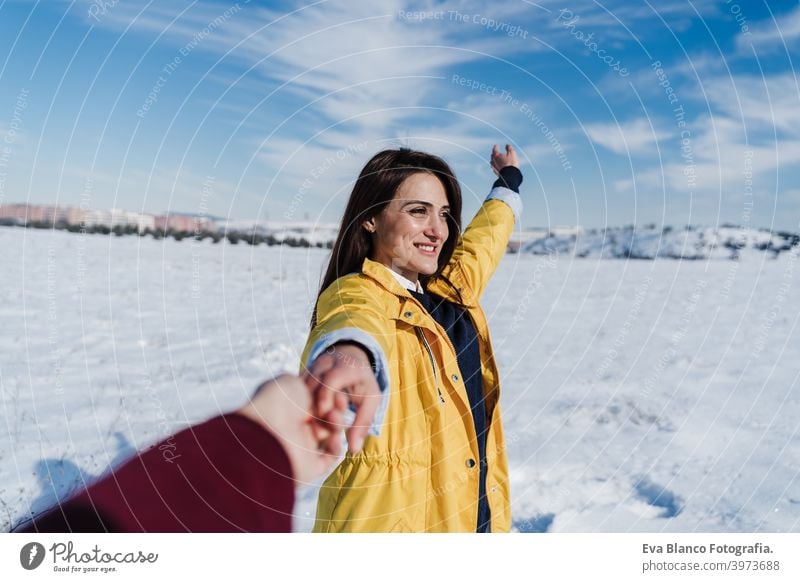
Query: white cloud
[
  {"x": 630, "y": 138},
  {"x": 772, "y": 34},
  {"x": 791, "y": 196},
  {"x": 352, "y": 54},
  {"x": 767, "y": 104},
  {"x": 360, "y": 56},
  {"x": 358, "y": 70},
  {"x": 716, "y": 165},
  {"x": 753, "y": 126}
]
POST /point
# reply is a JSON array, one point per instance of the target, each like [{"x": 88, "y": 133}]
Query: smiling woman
[
  {"x": 409, "y": 233},
  {"x": 398, "y": 331}
]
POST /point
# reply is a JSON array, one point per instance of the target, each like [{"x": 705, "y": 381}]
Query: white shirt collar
[{"x": 407, "y": 283}]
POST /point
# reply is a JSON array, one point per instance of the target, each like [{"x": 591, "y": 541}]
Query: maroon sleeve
[{"x": 228, "y": 474}]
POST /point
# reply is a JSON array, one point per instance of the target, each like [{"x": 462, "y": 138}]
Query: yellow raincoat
[{"x": 420, "y": 472}]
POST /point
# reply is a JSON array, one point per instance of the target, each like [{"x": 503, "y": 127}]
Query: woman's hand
[
  {"x": 282, "y": 406},
  {"x": 500, "y": 161},
  {"x": 343, "y": 373}
]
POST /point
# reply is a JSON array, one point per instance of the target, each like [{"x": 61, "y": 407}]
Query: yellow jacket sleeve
[
  {"x": 347, "y": 312},
  {"x": 485, "y": 240}
]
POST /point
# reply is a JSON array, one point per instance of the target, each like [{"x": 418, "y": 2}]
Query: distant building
[
  {"x": 15, "y": 212},
  {"x": 126, "y": 218},
  {"x": 182, "y": 222},
  {"x": 75, "y": 215},
  {"x": 25, "y": 213}
]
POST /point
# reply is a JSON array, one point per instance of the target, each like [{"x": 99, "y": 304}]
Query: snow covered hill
[{"x": 650, "y": 242}]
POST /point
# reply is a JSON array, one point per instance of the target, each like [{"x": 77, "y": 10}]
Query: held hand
[
  {"x": 500, "y": 161},
  {"x": 282, "y": 405},
  {"x": 343, "y": 373}
]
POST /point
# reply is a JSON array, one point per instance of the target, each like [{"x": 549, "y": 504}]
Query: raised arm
[{"x": 485, "y": 240}]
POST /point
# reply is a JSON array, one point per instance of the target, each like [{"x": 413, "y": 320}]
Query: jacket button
[
  {"x": 470, "y": 463},
  {"x": 408, "y": 314},
  {"x": 454, "y": 377}
]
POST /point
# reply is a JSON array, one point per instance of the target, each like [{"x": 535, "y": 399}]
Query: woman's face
[{"x": 409, "y": 233}]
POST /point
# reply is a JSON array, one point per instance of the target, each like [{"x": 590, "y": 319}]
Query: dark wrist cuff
[{"x": 510, "y": 177}]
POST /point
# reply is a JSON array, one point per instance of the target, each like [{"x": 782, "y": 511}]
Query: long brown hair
[{"x": 374, "y": 188}]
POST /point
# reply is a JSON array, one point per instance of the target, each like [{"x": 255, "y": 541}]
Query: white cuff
[
  {"x": 381, "y": 365},
  {"x": 508, "y": 196}
]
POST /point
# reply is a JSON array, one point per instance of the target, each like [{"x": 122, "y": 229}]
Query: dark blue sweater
[
  {"x": 456, "y": 322},
  {"x": 458, "y": 325}
]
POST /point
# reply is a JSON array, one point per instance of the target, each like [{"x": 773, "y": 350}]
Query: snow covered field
[{"x": 637, "y": 395}]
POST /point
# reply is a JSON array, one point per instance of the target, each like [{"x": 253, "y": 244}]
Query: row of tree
[{"x": 233, "y": 236}]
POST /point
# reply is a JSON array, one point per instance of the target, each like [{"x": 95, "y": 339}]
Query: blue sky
[{"x": 267, "y": 110}]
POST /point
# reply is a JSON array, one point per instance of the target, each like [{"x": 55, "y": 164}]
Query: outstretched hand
[
  {"x": 500, "y": 160},
  {"x": 342, "y": 374},
  {"x": 282, "y": 406}
]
